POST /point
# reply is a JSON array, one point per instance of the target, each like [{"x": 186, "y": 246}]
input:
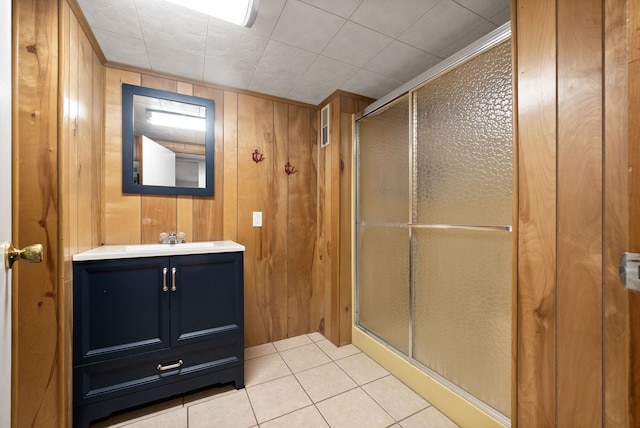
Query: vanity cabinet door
[
  {"x": 208, "y": 300},
  {"x": 120, "y": 308}
]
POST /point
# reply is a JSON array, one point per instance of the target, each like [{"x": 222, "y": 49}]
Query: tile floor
[{"x": 304, "y": 381}]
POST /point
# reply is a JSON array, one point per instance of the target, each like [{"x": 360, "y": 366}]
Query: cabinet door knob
[
  {"x": 173, "y": 279},
  {"x": 164, "y": 280}
]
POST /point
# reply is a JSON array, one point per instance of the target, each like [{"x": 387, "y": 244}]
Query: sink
[
  {"x": 186, "y": 246},
  {"x": 107, "y": 252}
]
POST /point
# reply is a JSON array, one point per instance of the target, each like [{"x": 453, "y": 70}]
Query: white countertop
[{"x": 108, "y": 252}]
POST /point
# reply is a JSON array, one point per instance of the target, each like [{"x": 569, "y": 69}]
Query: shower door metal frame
[{"x": 484, "y": 44}]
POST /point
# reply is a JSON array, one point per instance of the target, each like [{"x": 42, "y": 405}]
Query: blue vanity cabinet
[{"x": 149, "y": 328}]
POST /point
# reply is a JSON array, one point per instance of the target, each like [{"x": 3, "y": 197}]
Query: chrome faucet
[{"x": 172, "y": 238}]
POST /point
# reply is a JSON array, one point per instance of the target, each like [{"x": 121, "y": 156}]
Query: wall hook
[
  {"x": 257, "y": 156},
  {"x": 289, "y": 169}
]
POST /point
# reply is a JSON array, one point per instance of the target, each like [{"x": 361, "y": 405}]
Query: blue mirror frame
[{"x": 128, "y": 183}]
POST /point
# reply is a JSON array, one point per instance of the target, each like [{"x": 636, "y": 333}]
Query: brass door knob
[{"x": 31, "y": 254}]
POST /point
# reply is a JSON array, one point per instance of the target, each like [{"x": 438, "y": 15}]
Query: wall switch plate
[{"x": 257, "y": 219}]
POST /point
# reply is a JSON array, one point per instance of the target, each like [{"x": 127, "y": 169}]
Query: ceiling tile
[
  {"x": 326, "y": 70},
  {"x": 224, "y": 74},
  {"x": 276, "y": 84},
  {"x": 165, "y": 25},
  {"x": 356, "y": 45},
  {"x": 344, "y": 8},
  {"x": 234, "y": 45},
  {"x": 118, "y": 17},
  {"x": 502, "y": 17},
  {"x": 177, "y": 62},
  {"x": 391, "y": 17},
  {"x": 279, "y": 58},
  {"x": 268, "y": 15},
  {"x": 111, "y": 45},
  {"x": 306, "y": 27},
  {"x": 371, "y": 84},
  {"x": 467, "y": 38},
  {"x": 485, "y": 8},
  {"x": 401, "y": 61},
  {"x": 440, "y": 26},
  {"x": 310, "y": 92}
]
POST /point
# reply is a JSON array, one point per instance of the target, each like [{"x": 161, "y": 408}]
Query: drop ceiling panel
[
  {"x": 391, "y": 17},
  {"x": 297, "y": 49}
]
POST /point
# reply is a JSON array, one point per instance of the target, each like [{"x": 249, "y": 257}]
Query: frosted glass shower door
[
  {"x": 382, "y": 224},
  {"x": 461, "y": 252}
]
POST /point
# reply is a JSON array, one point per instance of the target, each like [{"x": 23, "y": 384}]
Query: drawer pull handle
[
  {"x": 170, "y": 366},
  {"x": 164, "y": 280},
  {"x": 173, "y": 279}
]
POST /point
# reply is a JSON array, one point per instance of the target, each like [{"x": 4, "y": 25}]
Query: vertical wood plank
[
  {"x": 158, "y": 212},
  {"x": 119, "y": 209},
  {"x": 184, "y": 204},
  {"x": 208, "y": 219},
  {"x": 255, "y": 131},
  {"x": 579, "y": 245},
  {"x": 65, "y": 177},
  {"x": 84, "y": 131},
  {"x": 321, "y": 246},
  {"x": 277, "y": 219},
  {"x": 36, "y": 398},
  {"x": 97, "y": 145},
  {"x": 301, "y": 222},
  {"x": 536, "y": 305},
  {"x": 230, "y": 167},
  {"x": 634, "y": 208},
  {"x": 345, "y": 171},
  {"x": 616, "y": 310}
]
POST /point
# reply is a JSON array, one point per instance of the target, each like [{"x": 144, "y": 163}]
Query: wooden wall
[
  {"x": 574, "y": 319},
  {"x": 37, "y": 377},
  {"x": 279, "y": 256},
  {"x": 81, "y": 88},
  {"x": 335, "y": 219}
]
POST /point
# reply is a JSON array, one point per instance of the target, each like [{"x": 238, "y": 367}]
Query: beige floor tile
[
  {"x": 337, "y": 353},
  {"x": 263, "y": 369},
  {"x": 173, "y": 419},
  {"x": 292, "y": 342},
  {"x": 428, "y": 418},
  {"x": 260, "y": 350},
  {"x": 145, "y": 412},
  {"x": 304, "y": 357},
  {"x": 361, "y": 368},
  {"x": 276, "y": 398},
  {"x": 309, "y": 417},
  {"x": 354, "y": 409},
  {"x": 228, "y": 411},
  {"x": 325, "y": 381},
  {"x": 209, "y": 394},
  {"x": 395, "y": 397},
  {"x": 316, "y": 337}
]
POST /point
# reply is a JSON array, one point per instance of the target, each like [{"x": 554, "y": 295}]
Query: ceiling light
[
  {"x": 175, "y": 120},
  {"x": 240, "y": 12}
]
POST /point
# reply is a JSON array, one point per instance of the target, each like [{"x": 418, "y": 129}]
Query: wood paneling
[
  {"x": 634, "y": 208},
  {"x": 79, "y": 172},
  {"x": 616, "y": 326},
  {"x": 580, "y": 214},
  {"x": 536, "y": 140},
  {"x": 230, "y": 190},
  {"x": 335, "y": 220},
  {"x": 37, "y": 322},
  {"x": 587, "y": 320}
]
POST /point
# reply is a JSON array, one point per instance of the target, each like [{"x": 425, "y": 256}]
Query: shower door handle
[{"x": 629, "y": 270}]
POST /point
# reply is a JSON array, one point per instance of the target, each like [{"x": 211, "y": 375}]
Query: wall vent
[{"x": 324, "y": 128}]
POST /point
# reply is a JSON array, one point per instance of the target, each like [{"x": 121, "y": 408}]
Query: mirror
[{"x": 167, "y": 142}]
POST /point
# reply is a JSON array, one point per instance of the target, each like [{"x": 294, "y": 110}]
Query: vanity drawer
[{"x": 99, "y": 381}]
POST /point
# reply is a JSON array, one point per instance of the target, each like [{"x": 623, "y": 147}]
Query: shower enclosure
[{"x": 434, "y": 209}]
